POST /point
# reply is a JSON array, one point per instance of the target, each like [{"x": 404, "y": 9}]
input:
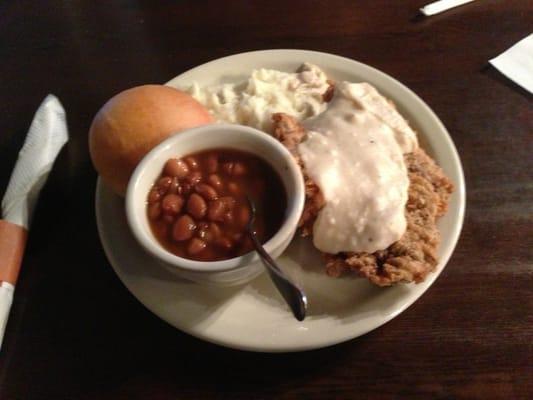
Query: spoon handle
[{"x": 293, "y": 295}]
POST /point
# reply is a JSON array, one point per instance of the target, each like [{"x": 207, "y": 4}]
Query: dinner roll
[{"x": 133, "y": 122}]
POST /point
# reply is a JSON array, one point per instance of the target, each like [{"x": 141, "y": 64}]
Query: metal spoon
[{"x": 293, "y": 295}]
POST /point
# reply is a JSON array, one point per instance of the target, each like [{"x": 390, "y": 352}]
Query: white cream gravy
[{"x": 354, "y": 152}]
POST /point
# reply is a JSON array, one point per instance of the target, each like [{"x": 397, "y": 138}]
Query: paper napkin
[{"x": 517, "y": 63}]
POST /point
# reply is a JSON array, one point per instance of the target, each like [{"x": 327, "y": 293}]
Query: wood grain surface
[{"x": 75, "y": 332}]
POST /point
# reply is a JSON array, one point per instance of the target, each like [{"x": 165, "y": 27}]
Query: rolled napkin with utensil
[{"x": 46, "y": 137}]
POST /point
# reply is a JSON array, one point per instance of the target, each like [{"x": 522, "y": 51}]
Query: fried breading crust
[
  {"x": 411, "y": 258},
  {"x": 290, "y": 133}
]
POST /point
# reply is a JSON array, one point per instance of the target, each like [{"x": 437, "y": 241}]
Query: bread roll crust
[{"x": 133, "y": 122}]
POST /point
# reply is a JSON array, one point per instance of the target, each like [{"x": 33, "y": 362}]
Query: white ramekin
[{"x": 227, "y": 272}]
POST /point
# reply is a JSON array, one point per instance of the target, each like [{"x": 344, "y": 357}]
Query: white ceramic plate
[{"x": 254, "y": 317}]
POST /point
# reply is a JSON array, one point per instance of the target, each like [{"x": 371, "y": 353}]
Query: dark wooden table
[{"x": 75, "y": 332}]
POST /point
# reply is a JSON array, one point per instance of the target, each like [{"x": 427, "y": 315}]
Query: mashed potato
[{"x": 266, "y": 92}]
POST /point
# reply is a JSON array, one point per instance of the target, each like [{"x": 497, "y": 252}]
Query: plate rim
[{"x": 460, "y": 192}]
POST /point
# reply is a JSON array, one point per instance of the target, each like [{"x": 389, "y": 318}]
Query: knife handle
[{"x": 12, "y": 244}]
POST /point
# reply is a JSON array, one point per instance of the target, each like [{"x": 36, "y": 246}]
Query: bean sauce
[{"x": 197, "y": 207}]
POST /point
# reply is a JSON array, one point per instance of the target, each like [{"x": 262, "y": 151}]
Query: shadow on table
[{"x": 491, "y": 72}]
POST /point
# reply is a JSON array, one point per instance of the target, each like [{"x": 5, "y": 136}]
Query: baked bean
[
  {"x": 154, "y": 195},
  {"x": 154, "y": 210},
  {"x": 196, "y": 206},
  {"x": 206, "y": 191},
  {"x": 243, "y": 215},
  {"x": 192, "y": 162},
  {"x": 172, "y": 204},
  {"x": 203, "y": 230},
  {"x": 228, "y": 217},
  {"x": 239, "y": 169},
  {"x": 216, "y": 210},
  {"x": 208, "y": 232},
  {"x": 237, "y": 237},
  {"x": 211, "y": 163},
  {"x": 214, "y": 230},
  {"x": 183, "y": 228},
  {"x": 174, "y": 187},
  {"x": 215, "y": 181},
  {"x": 194, "y": 178},
  {"x": 195, "y": 246},
  {"x": 228, "y": 201},
  {"x": 227, "y": 168},
  {"x": 233, "y": 188},
  {"x": 163, "y": 184},
  {"x": 224, "y": 243},
  {"x": 178, "y": 168}
]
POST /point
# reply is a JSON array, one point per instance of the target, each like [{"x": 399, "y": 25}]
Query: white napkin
[
  {"x": 517, "y": 63},
  {"x": 47, "y": 135}
]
